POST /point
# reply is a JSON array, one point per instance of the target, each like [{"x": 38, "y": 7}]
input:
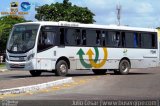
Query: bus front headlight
[{"x": 31, "y": 56}]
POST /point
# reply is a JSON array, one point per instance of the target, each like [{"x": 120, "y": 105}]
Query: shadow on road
[
  {"x": 79, "y": 75},
  {"x": 29, "y": 76},
  {"x": 133, "y": 73},
  {"x": 53, "y": 75},
  {"x": 140, "y": 73},
  {"x": 76, "y": 75}
]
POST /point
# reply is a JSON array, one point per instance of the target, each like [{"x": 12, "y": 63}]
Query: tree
[
  {"x": 64, "y": 12},
  {"x": 6, "y": 24}
]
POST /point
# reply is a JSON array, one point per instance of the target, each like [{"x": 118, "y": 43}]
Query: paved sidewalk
[
  {"x": 19, "y": 82},
  {"x": 35, "y": 87},
  {"x": 3, "y": 69}
]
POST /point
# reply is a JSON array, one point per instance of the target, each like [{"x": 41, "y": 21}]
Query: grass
[{"x": 2, "y": 65}]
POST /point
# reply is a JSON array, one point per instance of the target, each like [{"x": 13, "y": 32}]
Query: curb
[
  {"x": 3, "y": 70},
  {"x": 37, "y": 87}
]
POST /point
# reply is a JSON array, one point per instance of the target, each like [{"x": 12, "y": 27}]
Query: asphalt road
[{"x": 140, "y": 84}]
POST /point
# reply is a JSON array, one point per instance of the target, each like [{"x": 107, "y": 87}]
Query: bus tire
[
  {"x": 61, "y": 68},
  {"x": 124, "y": 67},
  {"x": 35, "y": 73},
  {"x": 99, "y": 71}
]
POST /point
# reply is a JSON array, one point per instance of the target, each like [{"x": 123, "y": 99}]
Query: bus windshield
[{"x": 22, "y": 38}]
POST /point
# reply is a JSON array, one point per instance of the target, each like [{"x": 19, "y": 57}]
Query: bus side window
[
  {"x": 77, "y": 36},
  {"x": 139, "y": 40},
  {"x": 62, "y": 36},
  {"x": 41, "y": 41},
  {"x": 91, "y": 37},
  {"x": 130, "y": 40},
  {"x": 154, "y": 41},
  {"x": 70, "y": 39},
  {"x": 110, "y": 39},
  {"x": 98, "y": 38},
  {"x": 135, "y": 40},
  {"x": 46, "y": 38},
  {"x": 103, "y": 36},
  {"x": 117, "y": 39},
  {"x": 148, "y": 40},
  {"x": 123, "y": 39},
  {"x": 83, "y": 37}
]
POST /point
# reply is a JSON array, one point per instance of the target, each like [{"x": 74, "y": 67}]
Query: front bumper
[{"x": 27, "y": 65}]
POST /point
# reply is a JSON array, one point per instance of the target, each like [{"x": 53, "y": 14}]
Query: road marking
[
  {"x": 66, "y": 85},
  {"x": 46, "y": 90},
  {"x": 30, "y": 93},
  {"x": 56, "y": 88},
  {"x": 108, "y": 74},
  {"x": 82, "y": 81},
  {"x": 75, "y": 83},
  {"x": 89, "y": 79}
]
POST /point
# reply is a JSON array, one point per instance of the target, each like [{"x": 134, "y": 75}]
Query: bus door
[{"x": 45, "y": 54}]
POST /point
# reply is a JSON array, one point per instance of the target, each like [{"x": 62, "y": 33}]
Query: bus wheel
[
  {"x": 35, "y": 73},
  {"x": 124, "y": 67},
  {"x": 99, "y": 71},
  {"x": 61, "y": 68}
]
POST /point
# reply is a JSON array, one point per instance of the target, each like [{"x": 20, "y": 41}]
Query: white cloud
[
  {"x": 145, "y": 8},
  {"x": 142, "y": 13},
  {"x": 42, "y": 2}
]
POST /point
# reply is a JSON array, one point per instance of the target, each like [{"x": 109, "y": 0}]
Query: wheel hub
[
  {"x": 124, "y": 67},
  {"x": 63, "y": 68}
]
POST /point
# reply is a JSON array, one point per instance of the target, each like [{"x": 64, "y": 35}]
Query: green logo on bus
[{"x": 92, "y": 62}]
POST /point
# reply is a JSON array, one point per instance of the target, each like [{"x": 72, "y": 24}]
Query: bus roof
[{"x": 81, "y": 25}]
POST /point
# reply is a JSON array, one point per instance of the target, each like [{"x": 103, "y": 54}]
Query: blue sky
[{"x": 139, "y": 13}]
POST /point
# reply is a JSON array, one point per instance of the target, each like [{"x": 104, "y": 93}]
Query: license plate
[{"x": 15, "y": 65}]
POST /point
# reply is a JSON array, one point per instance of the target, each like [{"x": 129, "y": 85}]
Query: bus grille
[{"x": 17, "y": 58}]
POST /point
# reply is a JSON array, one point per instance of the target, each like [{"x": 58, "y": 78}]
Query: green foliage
[
  {"x": 158, "y": 28},
  {"x": 6, "y": 24},
  {"x": 64, "y": 12}
]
